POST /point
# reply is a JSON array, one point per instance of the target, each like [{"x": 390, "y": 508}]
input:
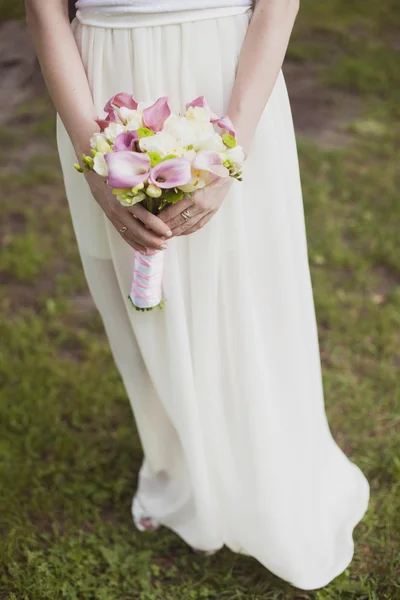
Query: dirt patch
[
  {"x": 19, "y": 70},
  {"x": 319, "y": 113}
]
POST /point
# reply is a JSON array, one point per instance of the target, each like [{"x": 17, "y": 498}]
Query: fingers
[
  {"x": 136, "y": 234},
  {"x": 187, "y": 224},
  {"x": 180, "y": 221},
  {"x": 145, "y": 237},
  {"x": 129, "y": 237},
  {"x": 199, "y": 224},
  {"x": 151, "y": 221},
  {"x": 173, "y": 210}
]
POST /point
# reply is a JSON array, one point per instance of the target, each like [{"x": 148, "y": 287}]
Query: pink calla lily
[
  {"x": 171, "y": 173},
  {"x": 127, "y": 169},
  {"x": 223, "y": 122},
  {"x": 208, "y": 160},
  {"x": 117, "y": 101},
  {"x": 125, "y": 141},
  {"x": 103, "y": 123},
  {"x": 226, "y": 123},
  {"x": 202, "y": 103},
  {"x": 155, "y": 115}
]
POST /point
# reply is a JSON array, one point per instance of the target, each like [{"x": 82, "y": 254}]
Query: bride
[{"x": 225, "y": 382}]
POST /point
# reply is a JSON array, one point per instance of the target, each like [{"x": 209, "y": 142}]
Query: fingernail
[
  {"x": 168, "y": 233},
  {"x": 164, "y": 246}
]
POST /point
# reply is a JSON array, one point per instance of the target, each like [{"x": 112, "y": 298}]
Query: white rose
[
  {"x": 197, "y": 113},
  {"x": 188, "y": 131},
  {"x": 113, "y": 130},
  {"x": 100, "y": 165},
  {"x": 179, "y": 128},
  {"x": 210, "y": 142},
  {"x": 162, "y": 142},
  {"x": 132, "y": 118}
]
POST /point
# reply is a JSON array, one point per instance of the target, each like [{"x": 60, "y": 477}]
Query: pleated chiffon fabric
[{"x": 225, "y": 382}]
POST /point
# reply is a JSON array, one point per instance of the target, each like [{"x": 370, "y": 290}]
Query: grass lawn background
[{"x": 69, "y": 451}]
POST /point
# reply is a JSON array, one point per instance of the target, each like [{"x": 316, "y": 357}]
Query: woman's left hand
[{"x": 200, "y": 208}]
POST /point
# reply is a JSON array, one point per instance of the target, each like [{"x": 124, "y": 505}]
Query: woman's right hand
[{"x": 144, "y": 230}]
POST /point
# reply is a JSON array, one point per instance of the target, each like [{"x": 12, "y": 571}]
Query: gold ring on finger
[{"x": 186, "y": 214}]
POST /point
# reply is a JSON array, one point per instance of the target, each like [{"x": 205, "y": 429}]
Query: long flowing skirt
[{"x": 224, "y": 382}]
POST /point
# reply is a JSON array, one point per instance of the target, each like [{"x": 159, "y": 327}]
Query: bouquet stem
[{"x": 146, "y": 292}]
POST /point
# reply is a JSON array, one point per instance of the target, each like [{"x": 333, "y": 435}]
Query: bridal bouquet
[{"x": 148, "y": 154}]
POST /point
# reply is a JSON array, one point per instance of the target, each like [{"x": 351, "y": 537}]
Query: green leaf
[
  {"x": 155, "y": 158},
  {"x": 172, "y": 196},
  {"x": 144, "y": 132}
]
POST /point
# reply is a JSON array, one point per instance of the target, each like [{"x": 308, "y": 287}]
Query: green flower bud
[
  {"x": 135, "y": 190},
  {"x": 78, "y": 168},
  {"x": 229, "y": 140},
  {"x": 88, "y": 161},
  {"x": 93, "y": 152},
  {"x": 153, "y": 191},
  {"x": 119, "y": 191}
]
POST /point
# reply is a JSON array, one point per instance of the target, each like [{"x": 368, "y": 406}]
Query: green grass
[
  {"x": 11, "y": 9},
  {"x": 69, "y": 451}
]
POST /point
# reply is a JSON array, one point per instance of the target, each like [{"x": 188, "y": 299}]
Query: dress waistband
[{"x": 129, "y": 20}]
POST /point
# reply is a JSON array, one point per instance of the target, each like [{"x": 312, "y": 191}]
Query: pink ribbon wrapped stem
[{"x": 146, "y": 292}]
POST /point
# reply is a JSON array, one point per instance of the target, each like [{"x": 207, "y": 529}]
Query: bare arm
[
  {"x": 66, "y": 80},
  {"x": 62, "y": 68},
  {"x": 259, "y": 64}
]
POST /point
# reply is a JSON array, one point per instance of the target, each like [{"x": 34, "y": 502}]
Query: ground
[{"x": 69, "y": 452}]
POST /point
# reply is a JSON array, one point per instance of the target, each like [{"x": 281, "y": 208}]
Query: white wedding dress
[{"x": 225, "y": 381}]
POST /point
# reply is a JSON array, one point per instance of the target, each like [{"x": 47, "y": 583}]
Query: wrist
[
  {"x": 81, "y": 141},
  {"x": 242, "y": 134}
]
